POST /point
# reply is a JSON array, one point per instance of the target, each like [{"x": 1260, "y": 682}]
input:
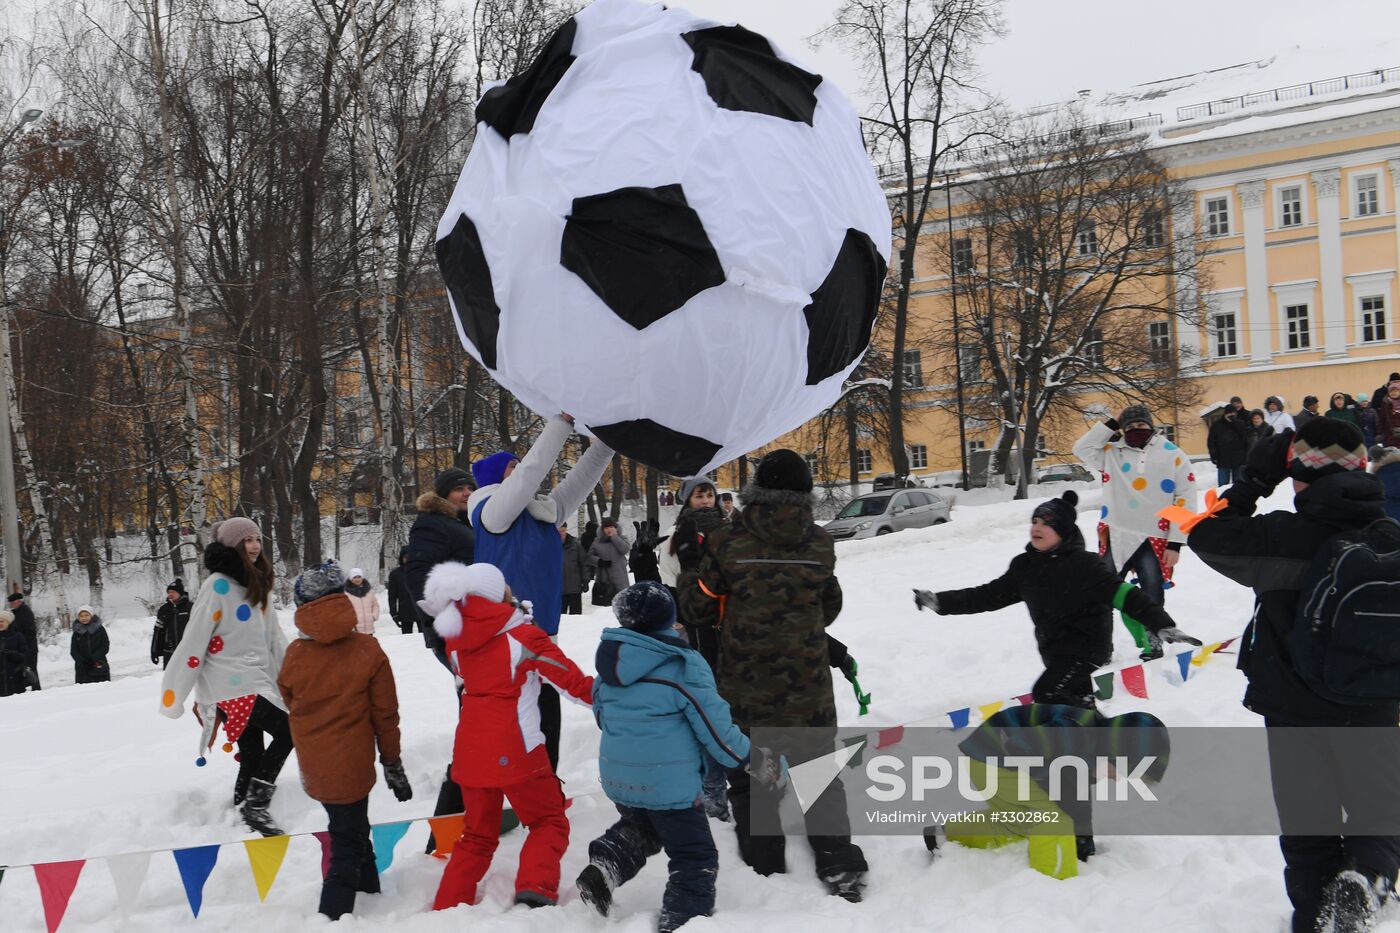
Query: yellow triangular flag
[
  {"x": 1206, "y": 652},
  {"x": 991, "y": 709},
  {"x": 265, "y": 856}
]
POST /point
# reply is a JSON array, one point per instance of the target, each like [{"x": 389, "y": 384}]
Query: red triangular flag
[
  {"x": 1026, "y": 699},
  {"x": 888, "y": 737},
  {"x": 1134, "y": 681},
  {"x": 56, "y": 883},
  {"x": 325, "y": 840}
]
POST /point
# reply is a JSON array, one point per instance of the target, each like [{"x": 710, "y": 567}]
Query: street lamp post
[{"x": 9, "y": 503}]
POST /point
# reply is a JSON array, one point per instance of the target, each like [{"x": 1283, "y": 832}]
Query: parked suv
[
  {"x": 1064, "y": 473},
  {"x": 880, "y": 513}
]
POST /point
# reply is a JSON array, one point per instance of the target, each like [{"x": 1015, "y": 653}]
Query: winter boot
[
  {"x": 845, "y": 885},
  {"x": 1084, "y": 848},
  {"x": 533, "y": 899},
  {"x": 255, "y": 808},
  {"x": 1351, "y": 901},
  {"x": 669, "y": 922},
  {"x": 595, "y": 886},
  {"x": 931, "y": 840},
  {"x": 369, "y": 877}
]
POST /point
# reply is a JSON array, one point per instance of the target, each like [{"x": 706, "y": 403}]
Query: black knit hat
[
  {"x": 177, "y": 586},
  {"x": 1060, "y": 514},
  {"x": 450, "y": 479},
  {"x": 1135, "y": 413},
  {"x": 783, "y": 469},
  {"x": 645, "y": 607},
  {"x": 1324, "y": 446}
]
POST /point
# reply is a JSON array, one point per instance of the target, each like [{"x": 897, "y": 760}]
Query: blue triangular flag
[
  {"x": 195, "y": 864},
  {"x": 1183, "y": 661},
  {"x": 385, "y": 836},
  {"x": 960, "y": 717}
]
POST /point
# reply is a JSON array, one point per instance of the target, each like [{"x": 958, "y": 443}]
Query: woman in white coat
[
  {"x": 366, "y": 603},
  {"x": 229, "y": 658}
]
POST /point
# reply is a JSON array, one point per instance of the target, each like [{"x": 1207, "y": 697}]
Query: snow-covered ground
[{"x": 90, "y": 771}]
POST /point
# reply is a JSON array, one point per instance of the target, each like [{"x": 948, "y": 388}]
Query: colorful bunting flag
[
  {"x": 1026, "y": 699},
  {"x": 988, "y": 710},
  {"x": 1206, "y": 652},
  {"x": 128, "y": 874},
  {"x": 265, "y": 858},
  {"x": 56, "y": 883},
  {"x": 888, "y": 737},
  {"x": 860, "y": 741},
  {"x": 1135, "y": 681},
  {"x": 385, "y": 836},
  {"x": 1104, "y": 686},
  {"x": 446, "y": 831},
  {"x": 325, "y": 840},
  {"x": 959, "y": 717},
  {"x": 1184, "y": 661},
  {"x": 195, "y": 864}
]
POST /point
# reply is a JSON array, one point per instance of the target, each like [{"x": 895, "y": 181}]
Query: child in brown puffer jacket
[{"x": 341, "y": 701}]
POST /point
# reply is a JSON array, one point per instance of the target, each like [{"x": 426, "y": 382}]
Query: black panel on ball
[
  {"x": 657, "y": 446},
  {"x": 742, "y": 73},
  {"x": 842, "y": 311},
  {"x": 643, "y": 251},
  {"x": 468, "y": 279},
  {"x": 513, "y": 107}
]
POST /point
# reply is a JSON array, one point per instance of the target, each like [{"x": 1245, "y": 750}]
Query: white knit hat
[
  {"x": 356, "y": 572},
  {"x": 486, "y": 581}
]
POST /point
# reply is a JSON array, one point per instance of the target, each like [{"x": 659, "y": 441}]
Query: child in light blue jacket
[{"x": 654, "y": 698}]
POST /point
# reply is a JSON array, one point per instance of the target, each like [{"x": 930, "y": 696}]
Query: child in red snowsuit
[{"x": 500, "y": 751}]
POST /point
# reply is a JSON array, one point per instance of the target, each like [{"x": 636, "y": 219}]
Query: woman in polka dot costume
[
  {"x": 1143, "y": 473},
  {"x": 230, "y": 654}
]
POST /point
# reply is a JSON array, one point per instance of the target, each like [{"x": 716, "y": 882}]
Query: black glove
[
  {"x": 926, "y": 599},
  {"x": 398, "y": 781},
  {"x": 1166, "y": 636},
  {"x": 1267, "y": 464},
  {"x": 766, "y": 768}
]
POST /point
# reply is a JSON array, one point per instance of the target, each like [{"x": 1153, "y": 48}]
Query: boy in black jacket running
[{"x": 1070, "y": 595}]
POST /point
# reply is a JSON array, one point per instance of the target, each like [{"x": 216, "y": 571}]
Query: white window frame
[
  {"x": 1229, "y": 214},
  {"x": 1161, "y": 355},
  {"x": 1279, "y": 189},
  {"x": 1354, "y": 183},
  {"x": 975, "y": 444},
  {"x": 865, "y": 463},
  {"x": 812, "y": 463},
  {"x": 1372, "y": 285},
  {"x": 1154, "y": 229},
  {"x": 1094, "y": 348},
  {"x": 918, "y": 456},
  {"x": 917, "y": 364},
  {"x": 1294, "y": 312},
  {"x": 1226, "y": 301},
  {"x": 964, "y": 263},
  {"x": 1086, "y": 238},
  {"x": 1288, "y": 294}
]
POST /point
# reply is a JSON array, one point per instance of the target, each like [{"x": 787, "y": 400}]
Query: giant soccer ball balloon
[{"x": 669, "y": 229}]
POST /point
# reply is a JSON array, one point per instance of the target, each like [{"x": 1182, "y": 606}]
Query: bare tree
[
  {"x": 1072, "y": 281},
  {"x": 918, "y": 61}
]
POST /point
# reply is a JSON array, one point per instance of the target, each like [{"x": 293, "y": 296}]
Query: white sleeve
[
  {"x": 518, "y": 489},
  {"x": 1090, "y": 448},
  {"x": 579, "y": 481}
]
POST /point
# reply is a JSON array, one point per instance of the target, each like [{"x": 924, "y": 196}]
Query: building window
[
  {"x": 1093, "y": 348},
  {"x": 913, "y": 368},
  {"x": 863, "y": 461},
  {"x": 350, "y": 429},
  {"x": 1168, "y": 431},
  {"x": 918, "y": 456},
  {"x": 1218, "y": 216},
  {"x": 1296, "y": 320},
  {"x": 811, "y": 463},
  {"x": 1023, "y": 247},
  {"x": 1042, "y": 448},
  {"x": 970, "y": 361},
  {"x": 1159, "y": 342},
  {"x": 1290, "y": 206},
  {"x": 1226, "y": 335},
  {"x": 1153, "y": 235},
  {"x": 976, "y": 445},
  {"x": 1372, "y": 319},
  {"x": 1086, "y": 238},
  {"x": 1368, "y": 195},
  {"x": 962, "y": 256}
]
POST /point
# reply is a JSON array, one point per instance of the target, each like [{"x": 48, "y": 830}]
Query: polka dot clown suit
[
  {"x": 231, "y": 651},
  {"x": 1137, "y": 484}
]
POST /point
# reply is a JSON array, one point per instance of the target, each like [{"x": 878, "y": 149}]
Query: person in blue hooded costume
[{"x": 518, "y": 531}]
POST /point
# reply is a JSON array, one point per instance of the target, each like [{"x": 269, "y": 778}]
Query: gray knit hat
[
  {"x": 323, "y": 579},
  {"x": 233, "y": 530}
]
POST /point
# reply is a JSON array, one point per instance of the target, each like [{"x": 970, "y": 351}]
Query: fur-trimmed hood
[
  {"x": 225, "y": 560},
  {"x": 753, "y": 494},
  {"x": 431, "y": 502},
  {"x": 780, "y": 517}
]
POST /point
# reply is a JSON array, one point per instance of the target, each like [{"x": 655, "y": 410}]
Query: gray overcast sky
[{"x": 1053, "y": 48}]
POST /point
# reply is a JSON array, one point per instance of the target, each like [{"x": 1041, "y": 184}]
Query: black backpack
[{"x": 1346, "y": 636}]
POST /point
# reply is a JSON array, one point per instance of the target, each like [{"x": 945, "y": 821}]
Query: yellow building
[{"x": 1294, "y": 180}]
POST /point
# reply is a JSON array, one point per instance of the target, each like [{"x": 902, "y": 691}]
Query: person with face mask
[{"x": 1143, "y": 473}]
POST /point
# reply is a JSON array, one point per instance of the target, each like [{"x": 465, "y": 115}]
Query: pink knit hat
[{"x": 231, "y": 531}]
